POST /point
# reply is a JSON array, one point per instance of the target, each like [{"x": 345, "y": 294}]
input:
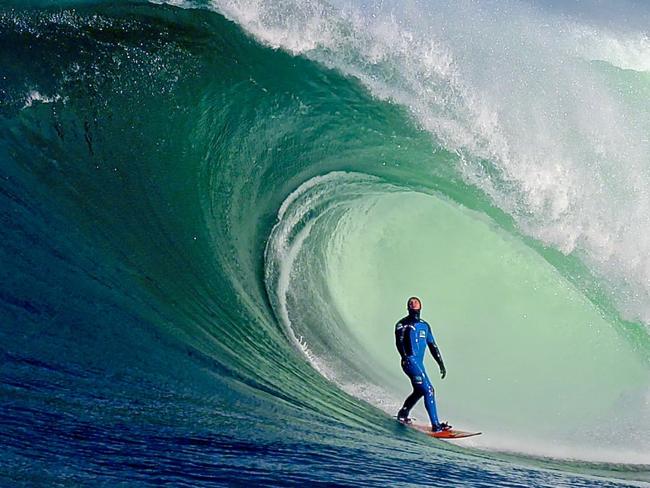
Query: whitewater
[{"x": 214, "y": 211}]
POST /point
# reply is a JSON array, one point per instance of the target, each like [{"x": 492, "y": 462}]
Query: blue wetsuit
[{"x": 412, "y": 337}]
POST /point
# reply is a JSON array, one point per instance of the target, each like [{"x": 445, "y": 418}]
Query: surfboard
[
  {"x": 452, "y": 434},
  {"x": 443, "y": 434}
]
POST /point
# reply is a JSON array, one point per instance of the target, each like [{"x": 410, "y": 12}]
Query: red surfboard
[
  {"x": 443, "y": 434},
  {"x": 452, "y": 434}
]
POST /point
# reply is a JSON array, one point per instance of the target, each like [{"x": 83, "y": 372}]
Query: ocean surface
[{"x": 212, "y": 213}]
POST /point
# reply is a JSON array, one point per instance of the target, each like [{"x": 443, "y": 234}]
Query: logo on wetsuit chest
[{"x": 423, "y": 334}]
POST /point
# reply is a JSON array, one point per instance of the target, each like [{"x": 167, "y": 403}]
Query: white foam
[
  {"x": 625, "y": 51},
  {"x": 286, "y": 242},
  {"x": 503, "y": 442},
  {"x": 36, "y": 96}
]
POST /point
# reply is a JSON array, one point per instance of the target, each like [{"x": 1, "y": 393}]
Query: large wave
[
  {"x": 189, "y": 214},
  {"x": 546, "y": 115}
]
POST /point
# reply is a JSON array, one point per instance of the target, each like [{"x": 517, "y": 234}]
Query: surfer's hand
[{"x": 443, "y": 372}]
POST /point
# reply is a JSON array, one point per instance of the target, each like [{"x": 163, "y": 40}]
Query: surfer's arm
[
  {"x": 435, "y": 352},
  {"x": 398, "y": 343}
]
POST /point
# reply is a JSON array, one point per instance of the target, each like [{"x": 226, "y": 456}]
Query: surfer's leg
[
  {"x": 430, "y": 401},
  {"x": 415, "y": 375},
  {"x": 410, "y": 401}
]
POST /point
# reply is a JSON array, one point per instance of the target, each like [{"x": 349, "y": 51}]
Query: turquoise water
[{"x": 213, "y": 213}]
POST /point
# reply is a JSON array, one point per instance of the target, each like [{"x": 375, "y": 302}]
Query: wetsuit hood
[{"x": 414, "y": 307}]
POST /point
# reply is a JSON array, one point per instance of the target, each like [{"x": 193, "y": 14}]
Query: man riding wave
[{"x": 412, "y": 336}]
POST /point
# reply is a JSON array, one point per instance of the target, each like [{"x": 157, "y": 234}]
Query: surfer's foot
[
  {"x": 404, "y": 420},
  {"x": 441, "y": 427}
]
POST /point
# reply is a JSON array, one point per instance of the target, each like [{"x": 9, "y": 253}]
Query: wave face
[{"x": 213, "y": 213}]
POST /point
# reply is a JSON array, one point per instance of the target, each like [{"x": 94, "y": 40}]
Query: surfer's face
[{"x": 414, "y": 305}]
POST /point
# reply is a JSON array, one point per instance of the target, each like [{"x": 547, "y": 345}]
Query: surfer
[{"x": 412, "y": 335}]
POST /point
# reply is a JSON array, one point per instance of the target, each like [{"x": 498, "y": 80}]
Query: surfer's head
[{"x": 414, "y": 306}]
